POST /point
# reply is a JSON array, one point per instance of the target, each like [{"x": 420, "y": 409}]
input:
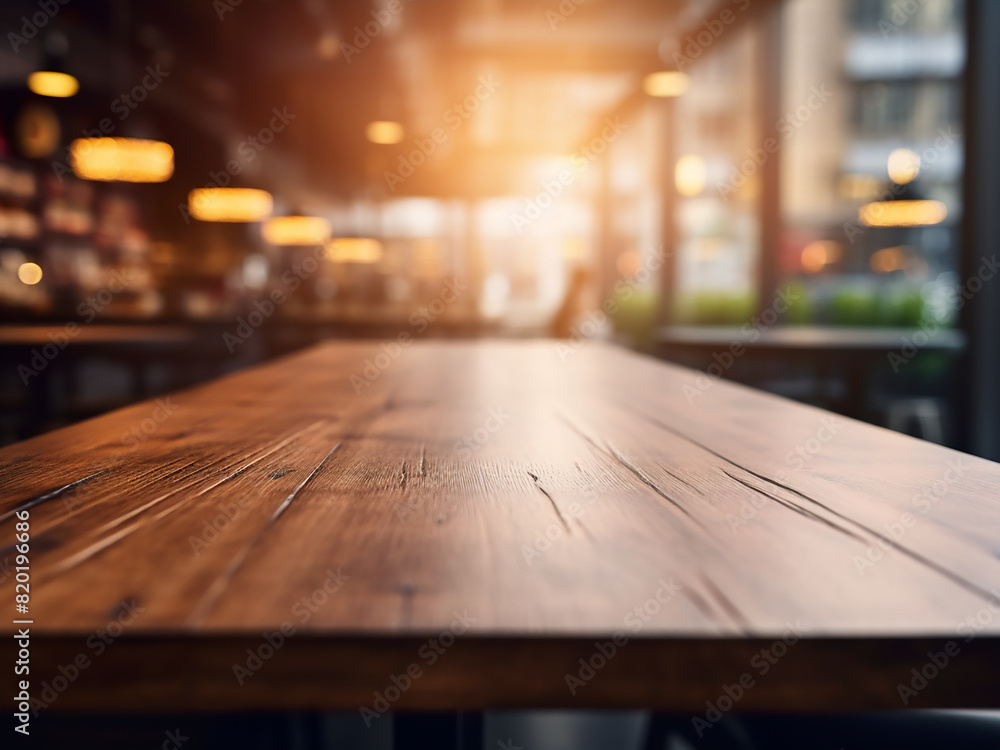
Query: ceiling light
[
  {"x": 666, "y": 83},
  {"x": 51, "y": 83},
  {"x": 903, "y": 166},
  {"x": 690, "y": 175},
  {"x": 902, "y": 213},
  {"x": 122, "y": 159},
  {"x": 29, "y": 273},
  {"x": 296, "y": 230},
  {"x": 384, "y": 132},
  {"x": 354, "y": 250},
  {"x": 230, "y": 204}
]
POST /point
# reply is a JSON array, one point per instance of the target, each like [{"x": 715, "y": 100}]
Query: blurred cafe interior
[
  {"x": 799, "y": 196},
  {"x": 190, "y": 188}
]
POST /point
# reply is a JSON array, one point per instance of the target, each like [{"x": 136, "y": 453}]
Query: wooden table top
[{"x": 544, "y": 502}]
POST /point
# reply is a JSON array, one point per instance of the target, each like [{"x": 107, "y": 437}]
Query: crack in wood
[
  {"x": 680, "y": 479},
  {"x": 725, "y": 603},
  {"x": 45, "y": 497},
  {"x": 288, "y": 500},
  {"x": 211, "y": 597},
  {"x": 610, "y": 451},
  {"x": 579, "y": 432},
  {"x": 797, "y": 508},
  {"x": 916, "y": 556},
  {"x": 406, "y": 593},
  {"x": 699, "y": 602},
  {"x": 201, "y": 470},
  {"x": 74, "y": 560},
  {"x": 555, "y": 507},
  {"x": 652, "y": 485},
  {"x": 42, "y": 539},
  {"x": 965, "y": 583},
  {"x": 58, "y": 525}
]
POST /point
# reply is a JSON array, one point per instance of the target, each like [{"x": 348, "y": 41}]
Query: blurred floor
[{"x": 536, "y": 730}]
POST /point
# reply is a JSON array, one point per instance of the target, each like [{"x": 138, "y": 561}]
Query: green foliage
[
  {"x": 636, "y": 317},
  {"x": 715, "y": 308},
  {"x": 847, "y": 304},
  {"x": 887, "y": 306},
  {"x": 901, "y": 306},
  {"x": 801, "y": 308},
  {"x": 854, "y": 306}
]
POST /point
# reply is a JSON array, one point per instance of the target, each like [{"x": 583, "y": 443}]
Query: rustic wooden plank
[{"x": 548, "y": 498}]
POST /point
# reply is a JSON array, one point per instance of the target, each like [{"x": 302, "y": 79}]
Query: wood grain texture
[{"x": 536, "y": 494}]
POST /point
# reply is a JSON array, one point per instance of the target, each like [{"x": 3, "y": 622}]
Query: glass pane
[
  {"x": 872, "y": 164},
  {"x": 718, "y": 186}
]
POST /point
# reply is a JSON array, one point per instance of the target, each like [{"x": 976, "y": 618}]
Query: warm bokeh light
[
  {"x": 903, "y": 213},
  {"x": 296, "y": 230},
  {"x": 903, "y": 166},
  {"x": 230, "y": 204},
  {"x": 328, "y": 46},
  {"x": 354, "y": 250},
  {"x": 666, "y": 83},
  {"x": 819, "y": 254},
  {"x": 707, "y": 248},
  {"x": 888, "y": 259},
  {"x": 628, "y": 263},
  {"x": 427, "y": 258},
  {"x": 29, "y": 273},
  {"x": 573, "y": 248},
  {"x": 37, "y": 130},
  {"x": 51, "y": 83},
  {"x": 858, "y": 187},
  {"x": 122, "y": 159},
  {"x": 690, "y": 175},
  {"x": 384, "y": 131}
]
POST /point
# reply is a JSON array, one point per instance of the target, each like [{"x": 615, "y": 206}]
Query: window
[{"x": 889, "y": 133}]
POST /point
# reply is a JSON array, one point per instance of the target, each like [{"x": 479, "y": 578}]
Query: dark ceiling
[{"x": 556, "y": 70}]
